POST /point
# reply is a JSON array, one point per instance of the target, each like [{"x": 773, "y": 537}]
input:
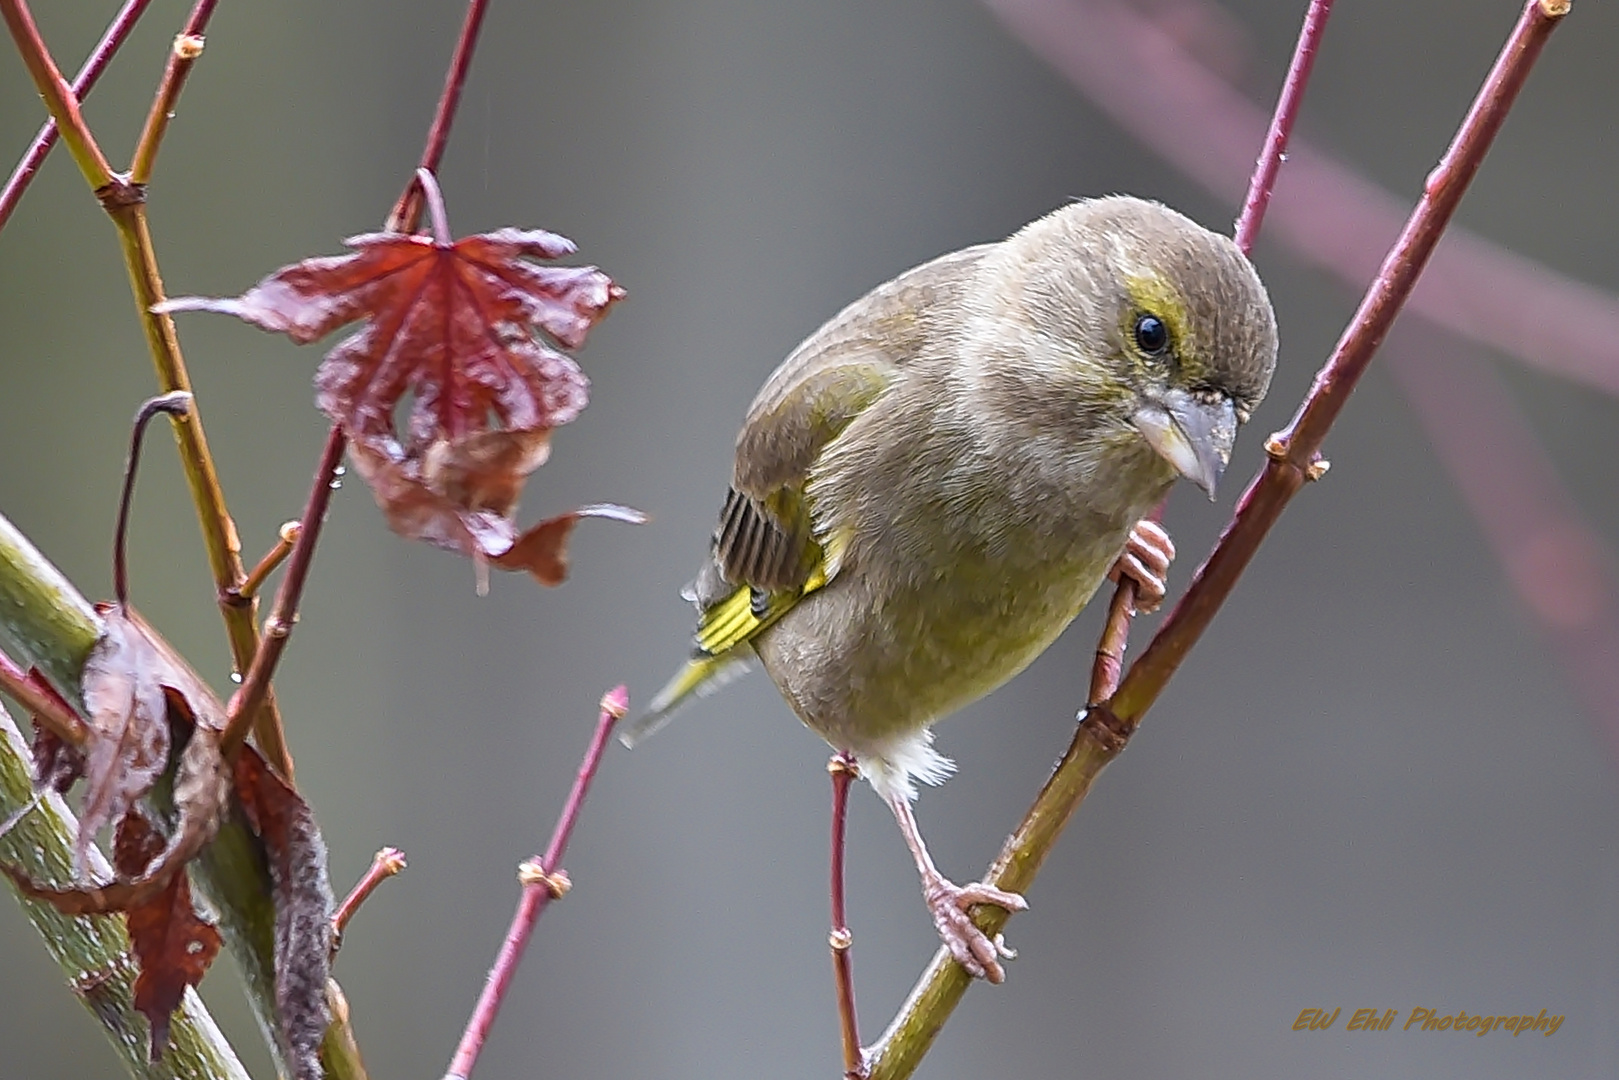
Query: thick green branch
[
  {"x": 93, "y": 950},
  {"x": 44, "y": 622}
]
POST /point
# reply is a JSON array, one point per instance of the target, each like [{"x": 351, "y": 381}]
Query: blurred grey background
[{"x": 1371, "y": 786}]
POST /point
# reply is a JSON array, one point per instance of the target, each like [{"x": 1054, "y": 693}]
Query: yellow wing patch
[{"x": 736, "y": 620}]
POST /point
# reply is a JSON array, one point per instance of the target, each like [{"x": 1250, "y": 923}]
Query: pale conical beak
[{"x": 1193, "y": 435}]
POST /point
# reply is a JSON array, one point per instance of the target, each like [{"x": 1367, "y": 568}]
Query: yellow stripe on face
[{"x": 1151, "y": 294}]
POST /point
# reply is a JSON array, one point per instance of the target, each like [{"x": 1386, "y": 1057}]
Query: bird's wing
[
  {"x": 765, "y": 555},
  {"x": 765, "y": 540}
]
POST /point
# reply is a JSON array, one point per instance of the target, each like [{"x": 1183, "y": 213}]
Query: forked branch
[{"x": 1293, "y": 459}]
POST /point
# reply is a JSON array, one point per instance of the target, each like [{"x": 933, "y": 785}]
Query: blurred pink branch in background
[
  {"x": 1138, "y": 70},
  {"x": 1558, "y": 566}
]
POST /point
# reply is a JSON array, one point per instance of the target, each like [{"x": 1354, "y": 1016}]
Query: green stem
[
  {"x": 941, "y": 986},
  {"x": 125, "y": 204},
  {"x": 44, "y": 622}
]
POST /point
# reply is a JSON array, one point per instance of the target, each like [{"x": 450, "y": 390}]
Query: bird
[{"x": 931, "y": 486}]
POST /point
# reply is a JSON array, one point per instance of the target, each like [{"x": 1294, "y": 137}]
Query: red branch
[
  {"x": 112, "y": 40},
  {"x": 1109, "y": 660},
  {"x": 408, "y": 210},
  {"x": 1294, "y": 452},
  {"x": 245, "y": 703},
  {"x": 543, "y": 881},
  {"x": 1282, "y": 120},
  {"x": 842, "y": 769}
]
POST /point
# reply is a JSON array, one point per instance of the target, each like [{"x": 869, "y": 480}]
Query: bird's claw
[
  {"x": 1145, "y": 561},
  {"x": 973, "y": 949}
]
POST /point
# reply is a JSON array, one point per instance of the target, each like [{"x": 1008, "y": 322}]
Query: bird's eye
[{"x": 1152, "y": 336}]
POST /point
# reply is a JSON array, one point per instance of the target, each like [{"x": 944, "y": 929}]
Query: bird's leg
[
  {"x": 1146, "y": 559},
  {"x": 972, "y": 948}
]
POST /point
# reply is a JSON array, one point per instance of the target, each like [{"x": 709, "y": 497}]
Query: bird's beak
[{"x": 1193, "y": 435}]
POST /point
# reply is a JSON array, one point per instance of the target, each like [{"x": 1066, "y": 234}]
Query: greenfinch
[{"x": 931, "y": 486}]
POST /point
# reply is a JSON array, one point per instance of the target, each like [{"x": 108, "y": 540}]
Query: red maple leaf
[
  {"x": 449, "y": 323},
  {"x": 462, "y": 496},
  {"x": 460, "y": 329}
]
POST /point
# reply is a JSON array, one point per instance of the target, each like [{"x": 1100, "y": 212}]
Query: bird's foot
[
  {"x": 972, "y": 948},
  {"x": 1146, "y": 559}
]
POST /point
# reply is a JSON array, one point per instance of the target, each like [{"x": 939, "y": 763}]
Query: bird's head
[{"x": 1155, "y": 326}]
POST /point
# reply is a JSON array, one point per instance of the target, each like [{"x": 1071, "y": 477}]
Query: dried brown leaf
[
  {"x": 129, "y": 727},
  {"x": 296, "y": 856},
  {"x": 199, "y": 793},
  {"x": 543, "y": 549},
  {"x": 131, "y": 680},
  {"x": 172, "y": 944}
]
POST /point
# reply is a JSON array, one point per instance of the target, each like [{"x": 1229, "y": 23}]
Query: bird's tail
[{"x": 699, "y": 678}]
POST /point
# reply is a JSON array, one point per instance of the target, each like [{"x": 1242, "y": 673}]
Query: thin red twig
[
  {"x": 182, "y": 55},
  {"x": 59, "y": 96},
  {"x": 1109, "y": 662},
  {"x": 1282, "y": 120},
  {"x": 112, "y": 40},
  {"x": 244, "y": 704},
  {"x": 543, "y": 881},
  {"x": 842, "y": 769},
  {"x": 384, "y": 865},
  {"x": 32, "y": 694},
  {"x": 408, "y": 210}
]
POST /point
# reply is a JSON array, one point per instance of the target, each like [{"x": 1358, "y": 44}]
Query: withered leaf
[
  {"x": 543, "y": 549},
  {"x": 130, "y": 680},
  {"x": 199, "y": 794},
  {"x": 129, "y": 727},
  {"x": 173, "y": 946},
  {"x": 296, "y": 855},
  {"x": 57, "y": 764},
  {"x": 462, "y": 496},
  {"x": 451, "y": 324}
]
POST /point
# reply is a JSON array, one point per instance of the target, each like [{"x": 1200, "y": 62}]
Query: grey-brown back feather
[{"x": 765, "y": 538}]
